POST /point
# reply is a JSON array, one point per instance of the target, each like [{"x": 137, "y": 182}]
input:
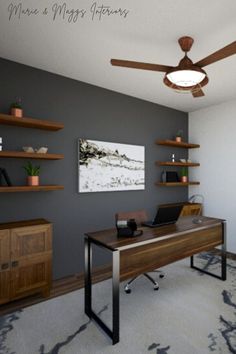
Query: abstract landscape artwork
[{"x": 105, "y": 166}]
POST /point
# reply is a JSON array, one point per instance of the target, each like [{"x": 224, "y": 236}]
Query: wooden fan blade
[
  {"x": 140, "y": 65},
  {"x": 198, "y": 93},
  {"x": 218, "y": 55}
]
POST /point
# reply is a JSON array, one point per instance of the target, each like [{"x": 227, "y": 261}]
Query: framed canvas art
[{"x": 105, "y": 166}]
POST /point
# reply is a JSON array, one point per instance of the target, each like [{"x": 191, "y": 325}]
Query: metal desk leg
[
  {"x": 224, "y": 252},
  {"x": 88, "y": 280},
  {"x": 223, "y": 258},
  {"x": 115, "y": 333},
  {"x": 116, "y": 296}
]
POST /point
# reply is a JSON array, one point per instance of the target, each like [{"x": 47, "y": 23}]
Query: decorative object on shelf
[
  {"x": 16, "y": 108},
  {"x": 105, "y": 166},
  {"x": 173, "y": 158},
  {"x": 179, "y": 136},
  {"x": 0, "y": 143},
  {"x": 184, "y": 174},
  {"x": 33, "y": 174},
  {"x": 42, "y": 150},
  {"x": 185, "y": 160},
  {"x": 28, "y": 149},
  {"x": 4, "y": 175}
]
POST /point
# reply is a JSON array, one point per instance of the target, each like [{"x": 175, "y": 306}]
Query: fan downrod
[{"x": 186, "y": 43}]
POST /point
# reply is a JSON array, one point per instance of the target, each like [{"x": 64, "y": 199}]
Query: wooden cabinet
[{"x": 25, "y": 259}]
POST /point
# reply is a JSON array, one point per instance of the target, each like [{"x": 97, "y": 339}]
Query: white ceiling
[{"x": 82, "y": 50}]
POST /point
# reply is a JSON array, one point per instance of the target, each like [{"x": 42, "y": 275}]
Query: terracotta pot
[
  {"x": 184, "y": 179},
  {"x": 33, "y": 180},
  {"x": 178, "y": 139},
  {"x": 17, "y": 112}
]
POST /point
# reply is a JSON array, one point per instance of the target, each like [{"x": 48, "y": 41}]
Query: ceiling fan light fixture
[{"x": 186, "y": 78}]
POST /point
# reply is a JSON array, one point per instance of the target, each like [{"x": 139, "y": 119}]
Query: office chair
[{"x": 140, "y": 216}]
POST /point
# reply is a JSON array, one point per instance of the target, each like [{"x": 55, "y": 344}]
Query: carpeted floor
[{"x": 190, "y": 314}]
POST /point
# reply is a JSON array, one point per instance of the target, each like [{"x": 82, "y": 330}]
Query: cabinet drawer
[{"x": 32, "y": 240}]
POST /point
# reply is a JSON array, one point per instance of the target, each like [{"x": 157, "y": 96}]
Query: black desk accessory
[
  {"x": 127, "y": 228},
  {"x": 4, "y": 175},
  {"x": 169, "y": 176}
]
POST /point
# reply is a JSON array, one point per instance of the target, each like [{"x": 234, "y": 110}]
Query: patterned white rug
[{"x": 190, "y": 314}]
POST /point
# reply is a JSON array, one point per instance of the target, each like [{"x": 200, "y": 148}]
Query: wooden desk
[{"x": 156, "y": 247}]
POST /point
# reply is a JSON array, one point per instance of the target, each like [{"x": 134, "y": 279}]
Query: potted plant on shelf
[
  {"x": 33, "y": 174},
  {"x": 179, "y": 136},
  {"x": 16, "y": 108},
  {"x": 184, "y": 174}
]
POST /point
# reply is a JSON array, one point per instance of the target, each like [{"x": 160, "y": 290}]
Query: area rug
[{"x": 191, "y": 313}]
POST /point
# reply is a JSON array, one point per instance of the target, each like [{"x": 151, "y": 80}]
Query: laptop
[{"x": 165, "y": 216}]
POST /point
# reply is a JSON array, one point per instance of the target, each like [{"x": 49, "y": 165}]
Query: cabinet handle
[
  {"x": 14, "y": 264},
  {"x": 5, "y": 266}
]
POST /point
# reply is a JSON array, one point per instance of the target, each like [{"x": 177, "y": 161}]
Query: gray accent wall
[{"x": 87, "y": 112}]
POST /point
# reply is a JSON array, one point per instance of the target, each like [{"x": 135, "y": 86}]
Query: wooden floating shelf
[
  {"x": 42, "y": 188},
  {"x": 187, "y": 164},
  {"x": 7, "y": 119},
  {"x": 177, "y": 184},
  {"x": 174, "y": 143},
  {"x": 30, "y": 155}
]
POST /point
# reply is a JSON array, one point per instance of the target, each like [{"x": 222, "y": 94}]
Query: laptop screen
[{"x": 167, "y": 215}]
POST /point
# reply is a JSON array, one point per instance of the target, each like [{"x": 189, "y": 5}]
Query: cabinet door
[
  {"x": 5, "y": 257},
  {"x": 31, "y": 260}
]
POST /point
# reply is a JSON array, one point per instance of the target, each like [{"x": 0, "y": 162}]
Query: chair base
[{"x": 156, "y": 285}]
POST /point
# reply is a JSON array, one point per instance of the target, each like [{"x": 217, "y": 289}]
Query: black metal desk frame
[
  {"x": 223, "y": 255},
  {"x": 114, "y": 334}
]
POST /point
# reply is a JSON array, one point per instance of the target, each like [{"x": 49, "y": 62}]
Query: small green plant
[
  {"x": 32, "y": 170},
  {"x": 180, "y": 133},
  {"x": 184, "y": 171},
  {"x": 17, "y": 103}
]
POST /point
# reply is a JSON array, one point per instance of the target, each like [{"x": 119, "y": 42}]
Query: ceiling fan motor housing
[{"x": 186, "y": 65}]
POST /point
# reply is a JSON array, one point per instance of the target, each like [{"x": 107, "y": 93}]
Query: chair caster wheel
[
  {"x": 156, "y": 287},
  {"x": 161, "y": 276},
  {"x": 128, "y": 291}
]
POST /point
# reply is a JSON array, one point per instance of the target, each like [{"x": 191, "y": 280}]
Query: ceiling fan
[{"x": 186, "y": 76}]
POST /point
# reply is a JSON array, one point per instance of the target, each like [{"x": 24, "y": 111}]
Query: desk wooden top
[{"x": 109, "y": 239}]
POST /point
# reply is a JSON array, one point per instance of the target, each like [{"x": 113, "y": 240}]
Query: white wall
[{"x": 214, "y": 128}]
